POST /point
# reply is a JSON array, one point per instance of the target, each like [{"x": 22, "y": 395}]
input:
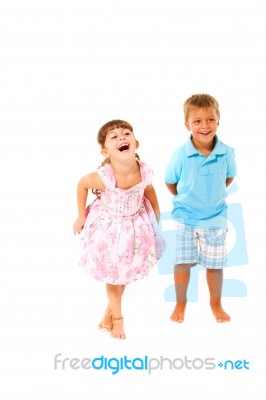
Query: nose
[{"x": 205, "y": 124}]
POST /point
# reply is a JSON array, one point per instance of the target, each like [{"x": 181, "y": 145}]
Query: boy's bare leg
[
  {"x": 215, "y": 283},
  {"x": 114, "y": 293},
  {"x": 181, "y": 278},
  {"x": 106, "y": 322}
]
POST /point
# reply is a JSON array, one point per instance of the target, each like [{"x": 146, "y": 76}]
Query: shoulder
[
  {"x": 146, "y": 172},
  {"x": 106, "y": 174},
  {"x": 227, "y": 150},
  {"x": 145, "y": 168},
  {"x": 103, "y": 169},
  {"x": 180, "y": 151},
  {"x": 92, "y": 180},
  {"x": 178, "y": 155}
]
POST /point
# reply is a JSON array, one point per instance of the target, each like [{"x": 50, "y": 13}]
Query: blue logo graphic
[
  {"x": 238, "y": 364},
  {"x": 236, "y": 256}
]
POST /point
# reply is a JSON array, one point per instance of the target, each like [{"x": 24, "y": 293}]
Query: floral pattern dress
[{"x": 120, "y": 241}]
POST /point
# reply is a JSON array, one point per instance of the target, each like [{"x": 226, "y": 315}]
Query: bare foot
[
  {"x": 117, "y": 331},
  {"x": 219, "y": 313},
  {"x": 178, "y": 314},
  {"x": 106, "y": 322}
]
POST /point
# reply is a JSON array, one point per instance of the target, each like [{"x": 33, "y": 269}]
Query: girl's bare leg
[
  {"x": 215, "y": 283},
  {"x": 106, "y": 322},
  {"x": 181, "y": 279},
  {"x": 114, "y": 293}
]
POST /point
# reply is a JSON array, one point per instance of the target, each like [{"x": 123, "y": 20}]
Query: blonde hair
[{"x": 200, "y": 101}]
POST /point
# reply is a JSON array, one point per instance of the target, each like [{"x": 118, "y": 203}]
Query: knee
[{"x": 182, "y": 268}]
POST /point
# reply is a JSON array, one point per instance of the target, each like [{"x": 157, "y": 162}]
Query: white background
[{"x": 67, "y": 67}]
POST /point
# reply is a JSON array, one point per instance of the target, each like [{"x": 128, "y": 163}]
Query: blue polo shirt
[{"x": 201, "y": 184}]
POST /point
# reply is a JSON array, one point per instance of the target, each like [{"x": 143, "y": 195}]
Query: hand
[{"x": 78, "y": 225}]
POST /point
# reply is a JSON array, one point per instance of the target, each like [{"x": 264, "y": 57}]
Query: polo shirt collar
[{"x": 219, "y": 147}]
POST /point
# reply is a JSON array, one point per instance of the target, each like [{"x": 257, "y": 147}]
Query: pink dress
[{"x": 120, "y": 241}]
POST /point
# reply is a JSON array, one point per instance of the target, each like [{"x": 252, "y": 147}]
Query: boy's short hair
[{"x": 200, "y": 101}]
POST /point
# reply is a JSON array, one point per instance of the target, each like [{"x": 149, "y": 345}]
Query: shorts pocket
[{"x": 216, "y": 237}]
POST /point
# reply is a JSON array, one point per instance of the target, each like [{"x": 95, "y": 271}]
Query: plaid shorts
[{"x": 203, "y": 246}]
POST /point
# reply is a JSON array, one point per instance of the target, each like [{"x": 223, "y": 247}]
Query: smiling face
[
  {"x": 203, "y": 124},
  {"x": 120, "y": 143}
]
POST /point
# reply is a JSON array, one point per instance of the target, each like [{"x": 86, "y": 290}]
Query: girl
[{"x": 119, "y": 244}]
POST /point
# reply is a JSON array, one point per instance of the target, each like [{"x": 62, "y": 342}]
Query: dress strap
[
  {"x": 107, "y": 175},
  {"x": 146, "y": 173}
]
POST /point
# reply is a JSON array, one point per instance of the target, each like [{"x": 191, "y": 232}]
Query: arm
[
  {"x": 90, "y": 181},
  {"x": 228, "y": 181},
  {"x": 172, "y": 187},
  {"x": 150, "y": 194}
]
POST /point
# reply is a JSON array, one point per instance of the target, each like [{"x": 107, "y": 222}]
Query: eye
[
  {"x": 127, "y": 133},
  {"x": 113, "y": 137}
]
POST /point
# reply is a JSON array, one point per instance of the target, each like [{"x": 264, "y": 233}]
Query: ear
[
  {"x": 218, "y": 122},
  {"x": 137, "y": 144},
  {"x": 104, "y": 152},
  {"x": 187, "y": 126}
]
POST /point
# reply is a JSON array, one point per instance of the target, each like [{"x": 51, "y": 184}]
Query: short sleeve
[
  {"x": 174, "y": 168},
  {"x": 146, "y": 173},
  {"x": 231, "y": 163}
]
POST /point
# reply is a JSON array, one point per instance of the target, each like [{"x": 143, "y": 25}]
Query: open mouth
[{"x": 123, "y": 147}]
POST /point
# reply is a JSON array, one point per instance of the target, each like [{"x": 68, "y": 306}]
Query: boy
[{"x": 197, "y": 175}]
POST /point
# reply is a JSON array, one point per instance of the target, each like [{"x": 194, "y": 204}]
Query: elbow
[
  {"x": 229, "y": 181},
  {"x": 172, "y": 188}
]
